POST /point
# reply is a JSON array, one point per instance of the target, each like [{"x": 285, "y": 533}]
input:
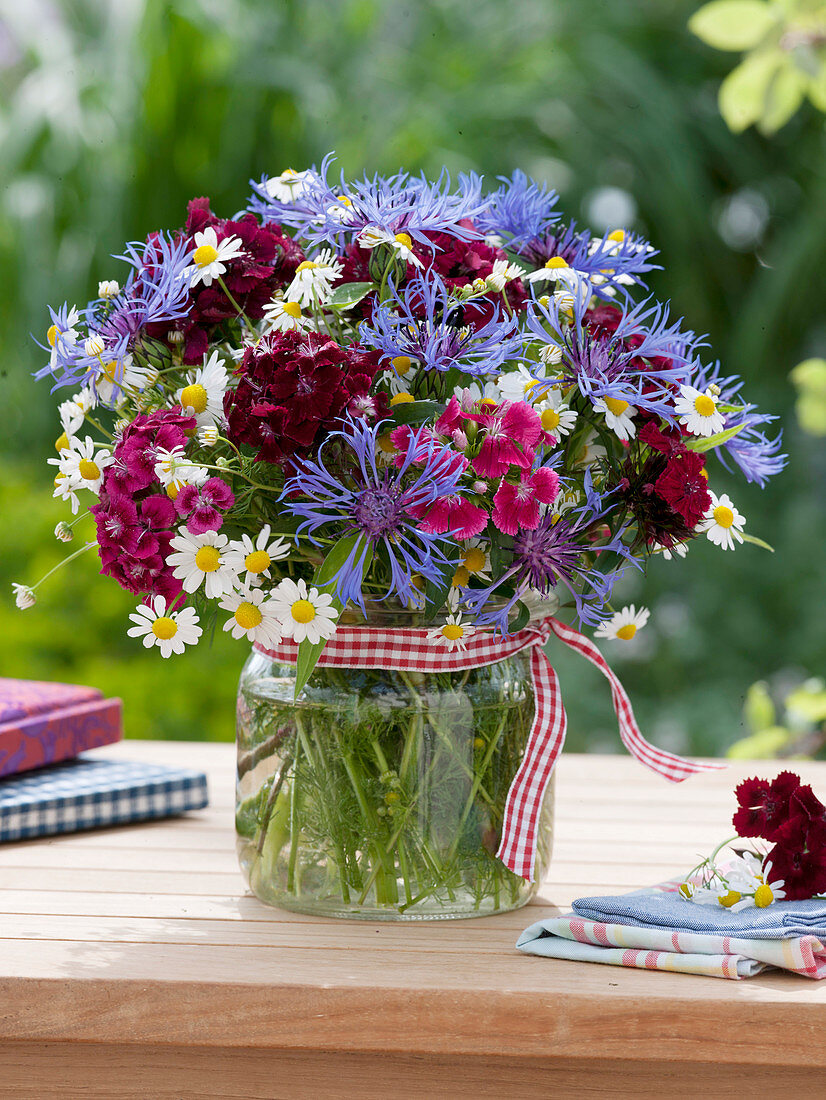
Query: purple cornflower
[
  {"x": 400, "y": 203},
  {"x": 380, "y": 504},
  {"x": 519, "y": 211},
  {"x": 637, "y": 360},
  {"x": 421, "y": 327},
  {"x": 558, "y": 550},
  {"x": 757, "y": 456},
  {"x": 609, "y": 264},
  {"x": 156, "y": 291}
]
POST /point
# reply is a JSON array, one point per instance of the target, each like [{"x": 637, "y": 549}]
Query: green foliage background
[{"x": 113, "y": 114}]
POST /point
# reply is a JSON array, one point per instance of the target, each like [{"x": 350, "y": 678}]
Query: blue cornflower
[
  {"x": 557, "y": 550},
  {"x": 398, "y": 204},
  {"x": 383, "y": 505},
  {"x": 635, "y": 359},
  {"x": 422, "y": 327},
  {"x": 157, "y": 290},
  {"x": 610, "y": 264},
  {"x": 520, "y": 211},
  {"x": 758, "y": 457}
]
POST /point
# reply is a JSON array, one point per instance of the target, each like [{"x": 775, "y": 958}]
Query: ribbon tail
[
  {"x": 520, "y": 824},
  {"x": 670, "y": 766}
]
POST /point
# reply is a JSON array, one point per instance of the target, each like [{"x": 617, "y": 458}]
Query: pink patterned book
[{"x": 43, "y": 723}]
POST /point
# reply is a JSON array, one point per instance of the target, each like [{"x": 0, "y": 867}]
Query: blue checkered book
[{"x": 91, "y": 793}]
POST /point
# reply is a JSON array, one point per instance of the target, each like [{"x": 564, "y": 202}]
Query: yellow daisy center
[
  {"x": 461, "y": 576},
  {"x": 194, "y": 397},
  {"x": 487, "y": 401},
  {"x": 729, "y": 899},
  {"x": 723, "y": 517},
  {"x": 763, "y": 896},
  {"x": 208, "y": 559},
  {"x": 61, "y": 443},
  {"x": 627, "y": 632},
  {"x": 550, "y": 419},
  {"x": 529, "y": 388},
  {"x": 556, "y": 263},
  {"x": 52, "y": 335},
  {"x": 58, "y": 480},
  {"x": 401, "y": 398},
  {"x": 615, "y": 406},
  {"x": 173, "y": 488},
  {"x": 475, "y": 560},
  {"x": 110, "y": 370},
  {"x": 88, "y": 470},
  {"x": 247, "y": 615},
  {"x": 452, "y": 631},
  {"x": 386, "y": 443},
  {"x": 257, "y": 561},
  {"x": 205, "y": 254},
  {"x": 292, "y": 309},
  {"x": 345, "y": 201},
  {"x": 618, "y": 235},
  {"x": 303, "y": 611},
  {"x": 401, "y": 364},
  {"x": 705, "y": 405},
  {"x": 164, "y": 628},
  {"x": 404, "y": 240},
  {"x": 306, "y": 265},
  {"x": 685, "y": 890}
]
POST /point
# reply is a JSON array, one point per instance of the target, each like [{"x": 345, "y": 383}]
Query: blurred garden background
[{"x": 113, "y": 113}]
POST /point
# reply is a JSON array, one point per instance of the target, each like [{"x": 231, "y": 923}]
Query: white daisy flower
[
  {"x": 517, "y": 385},
  {"x": 698, "y": 411},
  {"x": 170, "y": 631},
  {"x": 502, "y": 274},
  {"x": 454, "y": 634},
  {"x": 289, "y": 186},
  {"x": 201, "y": 559},
  {"x": 203, "y": 395},
  {"x": 210, "y": 258},
  {"x": 255, "y": 558},
  {"x": 94, "y": 344},
  {"x": 678, "y": 550},
  {"x": 341, "y": 211},
  {"x": 80, "y": 466},
  {"x": 174, "y": 468},
  {"x": 63, "y": 532},
  {"x": 619, "y": 416},
  {"x": 283, "y": 315},
  {"x": 551, "y": 272},
  {"x": 557, "y": 417},
  {"x": 313, "y": 280},
  {"x": 208, "y": 435},
  {"x": 108, "y": 288},
  {"x": 373, "y": 235},
  {"x": 476, "y": 393},
  {"x": 476, "y": 558},
  {"x": 24, "y": 596},
  {"x": 723, "y": 523},
  {"x": 254, "y": 616},
  {"x": 624, "y": 624},
  {"x": 119, "y": 375},
  {"x": 304, "y": 613},
  {"x": 72, "y": 413}
]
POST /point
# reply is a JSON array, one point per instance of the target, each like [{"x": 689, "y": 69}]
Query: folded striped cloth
[{"x": 656, "y": 929}]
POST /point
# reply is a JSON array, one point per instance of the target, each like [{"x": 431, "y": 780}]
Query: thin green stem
[{"x": 82, "y": 550}]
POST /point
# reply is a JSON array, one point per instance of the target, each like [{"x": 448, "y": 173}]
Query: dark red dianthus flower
[{"x": 684, "y": 488}]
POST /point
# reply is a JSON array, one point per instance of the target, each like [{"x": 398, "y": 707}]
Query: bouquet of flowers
[
  {"x": 389, "y": 392},
  {"x": 393, "y": 396}
]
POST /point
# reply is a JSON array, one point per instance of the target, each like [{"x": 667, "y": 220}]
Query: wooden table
[{"x": 133, "y": 964}]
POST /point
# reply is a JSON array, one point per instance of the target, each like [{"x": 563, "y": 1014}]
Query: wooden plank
[{"x": 29, "y": 1071}]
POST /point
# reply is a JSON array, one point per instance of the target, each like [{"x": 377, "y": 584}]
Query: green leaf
[
  {"x": 308, "y": 654},
  {"x": 764, "y": 745},
  {"x": 522, "y": 619},
  {"x": 348, "y": 295},
  {"x": 785, "y": 95},
  {"x": 416, "y": 412},
  {"x": 706, "y": 443},
  {"x": 758, "y": 709},
  {"x": 733, "y": 24},
  {"x": 757, "y": 542},
  {"x": 742, "y": 95}
]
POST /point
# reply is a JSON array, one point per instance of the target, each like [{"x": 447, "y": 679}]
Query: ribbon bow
[{"x": 409, "y": 650}]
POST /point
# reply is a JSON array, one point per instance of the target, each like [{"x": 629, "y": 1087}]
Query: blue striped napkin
[{"x": 92, "y": 793}]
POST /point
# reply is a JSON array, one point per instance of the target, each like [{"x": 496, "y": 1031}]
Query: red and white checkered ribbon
[{"x": 410, "y": 651}]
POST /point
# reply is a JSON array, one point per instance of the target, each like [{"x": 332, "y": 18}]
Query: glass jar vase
[{"x": 380, "y": 794}]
